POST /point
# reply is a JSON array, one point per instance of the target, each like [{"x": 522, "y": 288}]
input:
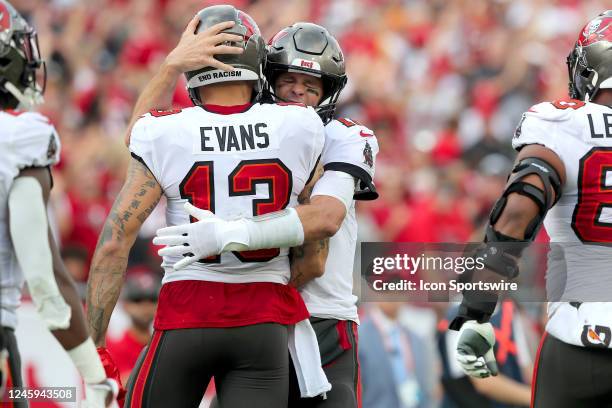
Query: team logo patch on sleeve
[
  {"x": 52, "y": 148},
  {"x": 368, "y": 158},
  {"x": 518, "y": 130}
]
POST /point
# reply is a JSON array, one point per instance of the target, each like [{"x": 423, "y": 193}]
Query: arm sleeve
[
  {"x": 336, "y": 184},
  {"x": 28, "y": 231}
]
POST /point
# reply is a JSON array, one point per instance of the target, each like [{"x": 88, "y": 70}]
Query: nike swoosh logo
[{"x": 365, "y": 134}]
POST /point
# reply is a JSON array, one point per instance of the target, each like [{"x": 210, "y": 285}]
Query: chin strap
[{"x": 28, "y": 99}]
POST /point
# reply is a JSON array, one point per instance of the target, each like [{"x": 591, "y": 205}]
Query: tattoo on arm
[
  {"x": 323, "y": 245},
  {"x": 110, "y": 259},
  {"x": 297, "y": 279},
  {"x": 297, "y": 252},
  {"x": 301, "y": 258},
  {"x": 304, "y": 197}
]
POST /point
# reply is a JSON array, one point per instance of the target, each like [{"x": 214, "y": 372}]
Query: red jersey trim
[
  {"x": 343, "y": 339},
  {"x": 534, "y": 381},
  {"x": 143, "y": 374},
  {"x": 14, "y": 112},
  {"x": 195, "y": 304},
  {"x": 227, "y": 110}
]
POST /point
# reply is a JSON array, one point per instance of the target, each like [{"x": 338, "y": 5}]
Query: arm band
[
  {"x": 336, "y": 184},
  {"x": 280, "y": 229},
  {"x": 85, "y": 358}
]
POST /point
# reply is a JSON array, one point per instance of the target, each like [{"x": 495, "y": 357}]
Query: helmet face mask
[
  {"x": 248, "y": 66},
  {"x": 20, "y": 61},
  {"x": 308, "y": 49},
  {"x": 590, "y": 61}
]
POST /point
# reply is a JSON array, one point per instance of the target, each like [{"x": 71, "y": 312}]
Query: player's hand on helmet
[
  {"x": 196, "y": 51},
  {"x": 102, "y": 395},
  {"x": 475, "y": 352},
  {"x": 195, "y": 241}
]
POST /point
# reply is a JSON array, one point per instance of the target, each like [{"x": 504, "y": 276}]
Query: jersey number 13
[{"x": 198, "y": 187}]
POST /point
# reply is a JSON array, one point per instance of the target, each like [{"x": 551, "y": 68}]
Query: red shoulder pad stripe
[
  {"x": 568, "y": 103},
  {"x": 159, "y": 113},
  {"x": 348, "y": 122}
]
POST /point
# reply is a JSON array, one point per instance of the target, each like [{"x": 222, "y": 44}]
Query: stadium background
[{"x": 442, "y": 84}]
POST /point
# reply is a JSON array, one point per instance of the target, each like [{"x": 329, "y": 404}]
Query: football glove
[
  {"x": 208, "y": 236},
  {"x": 112, "y": 373},
  {"x": 475, "y": 352}
]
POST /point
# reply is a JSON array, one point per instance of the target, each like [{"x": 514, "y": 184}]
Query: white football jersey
[
  {"x": 578, "y": 269},
  {"x": 27, "y": 139},
  {"x": 351, "y": 148},
  {"x": 235, "y": 165}
]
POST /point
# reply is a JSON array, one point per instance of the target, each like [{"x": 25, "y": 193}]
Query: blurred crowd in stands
[{"x": 442, "y": 83}]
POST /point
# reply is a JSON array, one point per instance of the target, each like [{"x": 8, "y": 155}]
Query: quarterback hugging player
[
  {"x": 230, "y": 316},
  {"x": 563, "y": 178},
  {"x": 29, "y": 145},
  {"x": 305, "y": 65}
]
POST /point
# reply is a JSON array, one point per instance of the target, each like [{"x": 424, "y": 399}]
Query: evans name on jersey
[{"x": 234, "y": 138}]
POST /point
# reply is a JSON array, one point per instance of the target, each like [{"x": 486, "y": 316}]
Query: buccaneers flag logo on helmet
[
  {"x": 5, "y": 18},
  {"x": 598, "y": 30}
]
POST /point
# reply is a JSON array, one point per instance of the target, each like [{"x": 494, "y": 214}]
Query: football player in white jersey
[
  {"x": 305, "y": 65},
  {"x": 237, "y": 158},
  {"x": 562, "y": 178},
  {"x": 29, "y": 146}
]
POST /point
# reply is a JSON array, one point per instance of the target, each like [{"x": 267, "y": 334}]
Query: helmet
[
  {"x": 19, "y": 61},
  {"x": 248, "y": 65},
  {"x": 310, "y": 49},
  {"x": 590, "y": 62}
]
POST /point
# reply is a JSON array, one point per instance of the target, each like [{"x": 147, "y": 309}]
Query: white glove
[
  {"x": 475, "y": 349},
  {"x": 208, "y": 236},
  {"x": 101, "y": 395}
]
